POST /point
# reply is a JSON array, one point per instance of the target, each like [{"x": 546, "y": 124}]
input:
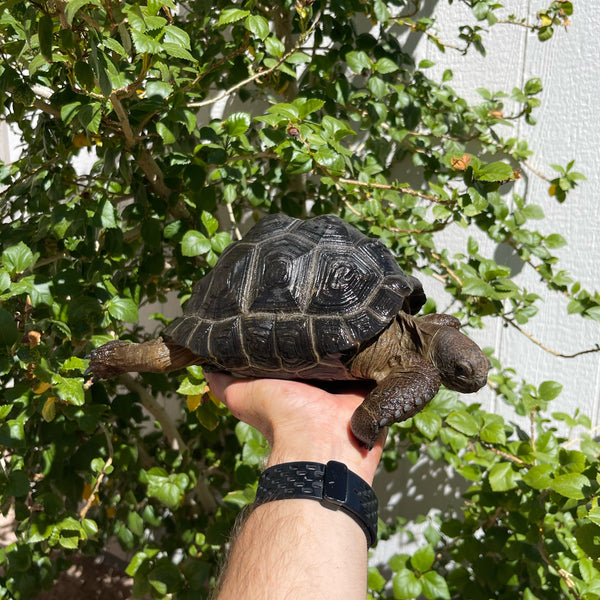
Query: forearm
[{"x": 297, "y": 549}]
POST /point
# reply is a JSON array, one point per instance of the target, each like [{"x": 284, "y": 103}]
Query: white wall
[{"x": 568, "y": 128}]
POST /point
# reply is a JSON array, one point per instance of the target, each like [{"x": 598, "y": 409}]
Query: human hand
[{"x": 300, "y": 421}]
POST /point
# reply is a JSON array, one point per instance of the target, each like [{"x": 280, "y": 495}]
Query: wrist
[
  {"x": 347, "y": 451},
  {"x": 332, "y": 484}
]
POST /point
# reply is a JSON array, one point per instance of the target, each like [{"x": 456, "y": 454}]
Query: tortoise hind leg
[
  {"x": 400, "y": 395},
  {"x": 154, "y": 356}
]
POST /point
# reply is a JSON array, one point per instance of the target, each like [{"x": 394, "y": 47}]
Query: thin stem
[
  {"x": 83, "y": 512},
  {"x": 260, "y": 74},
  {"x": 387, "y": 186},
  {"x": 543, "y": 347}
]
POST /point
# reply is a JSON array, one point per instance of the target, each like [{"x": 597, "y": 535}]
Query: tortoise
[{"x": 313, "y": 299}]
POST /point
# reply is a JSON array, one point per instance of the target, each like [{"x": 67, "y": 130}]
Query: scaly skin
[
  {"x": 409, "y": 361},
  {"x": 154, "y": 356},
  {"x": 404, "y": 392}
]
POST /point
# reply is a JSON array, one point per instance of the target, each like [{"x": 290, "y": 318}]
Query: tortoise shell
[{"x": 295, "y": 299}]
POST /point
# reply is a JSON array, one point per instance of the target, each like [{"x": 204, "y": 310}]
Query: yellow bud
[
  {"x": 80, "y": 140},
  {"x": 49, "y": 409},
  {"x": 41, "y": 387}
]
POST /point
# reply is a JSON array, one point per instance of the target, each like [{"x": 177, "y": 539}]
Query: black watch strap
[{"x": 332, "y": 484}]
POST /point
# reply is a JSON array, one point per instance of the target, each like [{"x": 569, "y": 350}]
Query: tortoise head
[{"x": 462, "y": 365}]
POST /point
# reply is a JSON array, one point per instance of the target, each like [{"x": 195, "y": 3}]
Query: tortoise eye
[{"x": 461, "y": 370}]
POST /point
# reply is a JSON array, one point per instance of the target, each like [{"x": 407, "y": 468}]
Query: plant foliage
[{"x": 195, "y": 118}]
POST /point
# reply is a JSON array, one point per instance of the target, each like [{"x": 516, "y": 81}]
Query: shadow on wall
[{"x": 415, "y": 490}]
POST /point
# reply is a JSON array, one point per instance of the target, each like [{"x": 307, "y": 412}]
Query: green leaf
[
  {"x": 210, "y": 222},
  {"x": 69, "y": 111},
  {"x": 493, "y": 432},
  {"x": 375, "y": 580},
  {"x": 207, "y": 417},
  {"x": 422, "y": 559},
  {"x": 237, "y": 123},
  {"x": 69, "y": 390},
  {"x": 434, "y": 586},
  {"x": 4, "y": 280},
  {"x": 385, "y": 65},
  {"x": 124, "y": 309},
  {"x": 473, "y": 286},
  {"x": 335, "y": 129},
  {"x": 257, "y": 25},
  {"x": 9, "y": 333},
  {"x": 17, "y": 259},
  {"x": 503, "y": 477},
  {"x": 194, "y": 243},
  {"x": 358, "y": 61},
  {"x": 533, "y": 86},
  {"x": 90, "y": 527},
  {"x": 168, "y": 137},
  {"x": 274, "y": 47},
  {"x": 162, "y": 89},
  {"x": 428, "y": 423},
  {"x": 84, "y": 75},
  {"x": 572, "y": 461},
  {"x": 90, "y": 116},
  {"x": 310, "y": 106},
  {"x": 555, "y": 240},
  {"x": 176, "y": 36},
  {"x": 17, "y": 484},
  {"x": 549, "y": 390},
  {"x": 533, "y": 211},
  {"x": 115, "y": 46},
  {"x": 377, "y": 87},
  {"x": 73, "y": 6},
  {"x": 289, "y": 111},
  {"x": 570, "y": 485},
  {"x": 40, "y": 294},
  {"x": 167, "y": 488},
  {"x": 220, "y": 241},
  {"x": 144, "y": 43},
  {"x": 108, "y": 215},
  {"x": 496, "y": 171},
  {"x": 463, "y": 422},
  {"x": 177, "y": 51},
  {"x": 331, "y": 160},
  {"x": 231, "y": 15},
  {"x": 45, "y": 26},
  {"x": 594, "y": 515},
  {"x": 406, "y": 585},
  {"x": 165, "y": 578}
]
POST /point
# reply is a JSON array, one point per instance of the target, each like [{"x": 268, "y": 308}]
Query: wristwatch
[{"x": 333, "y": 485}]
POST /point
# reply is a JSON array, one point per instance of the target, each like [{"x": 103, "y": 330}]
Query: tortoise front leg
[{"x": 400, "y": 395}]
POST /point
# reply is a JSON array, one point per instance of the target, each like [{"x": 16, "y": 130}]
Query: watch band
[{"x": 332, "y": 484}]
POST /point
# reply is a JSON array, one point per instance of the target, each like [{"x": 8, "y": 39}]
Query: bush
[{"x": 318, "y": 105}]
